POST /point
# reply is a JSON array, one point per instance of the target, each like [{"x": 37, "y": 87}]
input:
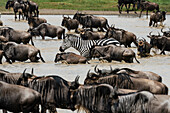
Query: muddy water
[{"x": 159, "y": 64}]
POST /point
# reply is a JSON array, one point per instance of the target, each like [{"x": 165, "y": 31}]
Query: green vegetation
[{"x": 102, "y": 5}]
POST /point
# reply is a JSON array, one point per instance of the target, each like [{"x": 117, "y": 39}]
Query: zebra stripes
[{"x": 84, "y": 46}]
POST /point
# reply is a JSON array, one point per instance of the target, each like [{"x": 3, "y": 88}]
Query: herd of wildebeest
[{"x": 119, "y": 90}]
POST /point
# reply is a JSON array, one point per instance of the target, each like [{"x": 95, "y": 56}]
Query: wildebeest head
[
  {"x": 141, "y": 46},
  {"x": 33, "y": 32},
  {"x": 75, "y": 84},
  {"x": 103, "y": 72},
  {"x": 153, "y": 39},
  {"x": 91, "y": 78},
  {"x": 9, "y": 4},
  {"x": 31, "y": 22},
  {"x": 99, "y": 51},
  {"x": 58, "y": 57},
  {"x": 166, "y": 33},
  {"x": 24, "y": 78},
  {"x": 65, "y": 21}
]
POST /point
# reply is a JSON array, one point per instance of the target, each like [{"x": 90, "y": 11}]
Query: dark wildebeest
[
  {"x": 89, "y": 35},
  {"x": 21, "y": 52},
  {"x": 90, "y": 21},
  {"x": 16, "y": 36},
  {"x": 141, "y": 102},
  {"x": 33, "y": 8},
  {"x": 138, "y": 74},
  {"x": 94, "y": 99},
  {"x": 124, "y": 37},
  {"x": 143, "y": 48},
  {"x": 17, "y": 7},
  {"x": 16, "y": 98},
  {"x": 70, "y": 23},
  {"x": 54, "y": 90},
  {"x": 148, "y": 6},
  {"x": 70, "y": 58},
  {"x": 166, "y": 33},
  {"x": 121, "y": 3},
  {"x": 113, "y": 52},
  {"x": 3, "y": 54},
  {"x": 161, "y": 42},
  {"x": 157, "y": 17},
  {"x": 35, "y": 21},
  {"x": 125, "y": 81},
  {"x": 46, "y": 29}
]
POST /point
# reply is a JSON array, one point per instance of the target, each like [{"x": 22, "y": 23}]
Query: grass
[{"x": 101, "y": 5}]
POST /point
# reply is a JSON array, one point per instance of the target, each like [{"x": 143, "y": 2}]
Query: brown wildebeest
[
  {"x": 157, "y": 17},
  {"x": 46, "y": 29},
  {"x": 125, "y": 81},
  {"x": 16, "y": 98},
  {"x": 141, "y": 102},
  {"x": 147, "y": 6},
  {"x": 94, "y": 99},
  {"x": 113, "y": 52},
  {"x": 21, "y": 52},
  {"x": 70, "y": 23},
  {"x": 138, "y": 74},
  {"x": 70, "y": 58},
  {"x": 123, "y": 36},
  {"x": 54, "y": 90}
]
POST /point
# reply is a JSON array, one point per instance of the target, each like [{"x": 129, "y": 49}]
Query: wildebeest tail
[
  {"x": 63, "y": 33},
  {"x": 41, "y": 56}
]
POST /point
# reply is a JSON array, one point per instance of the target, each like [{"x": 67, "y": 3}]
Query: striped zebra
[{"x": 84, "y": 46}]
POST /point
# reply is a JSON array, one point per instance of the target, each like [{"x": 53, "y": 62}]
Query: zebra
[{"x": 84, "y": 46}]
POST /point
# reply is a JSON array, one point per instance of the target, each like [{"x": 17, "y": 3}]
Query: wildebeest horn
[
  {"x": 32, "y": 71},
  {"x": 144, "y": 39},
  {"x": 96, "y": 69},
  {"x": 23, "y": 74},
  {"x": 77, "y": 79},
  {"x": 159, "y": 34},
  {"x": 162, "y": 30},
  {"x": 113, "y": 25},
  {"x": 111, "y": 68},
  {"x": 150, "y": 33},
  {"x": 88, "y": 73}
]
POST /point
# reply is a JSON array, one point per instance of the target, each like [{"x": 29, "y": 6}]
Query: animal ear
[
  {"x": 77, "y": 79},
  {"x": 141, "y": 98}
]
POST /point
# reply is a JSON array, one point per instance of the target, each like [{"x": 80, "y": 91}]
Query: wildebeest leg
[
  {"x": 147, "y": 14},
  {"x": 134, "y": 9},
  {"x": 140, "y": 13},
  {"x": 15, "y": 15},
  {"x": 7, "y": 59},
  {"x": 126, "y": 8},
  {"x": 4, "y": 111}
]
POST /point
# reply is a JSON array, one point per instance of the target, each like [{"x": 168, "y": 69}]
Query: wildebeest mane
[
  {"x": 11, "y": 78},
  {"x": 129, "y": 70}
]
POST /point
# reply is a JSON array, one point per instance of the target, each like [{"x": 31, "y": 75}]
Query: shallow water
[{"x": 159, "y": 64}]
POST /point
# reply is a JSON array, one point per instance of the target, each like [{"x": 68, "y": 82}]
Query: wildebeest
[
  {"x": 33, "y": 8},
  {"x": 141, "y": 102},
  {"x": 148, "y": 6},
  {"x": 90, "y": 21},
  {"x": 113, "y": 52},
  {"x": 143, "y": 48},
  {"x": 89, "y": 35},
  {"x": 123, "y": 36},
  {"x": 35, "y": 21},
  {"x": 17, "y": 7},
  {"x": 21, "y": 52},
  {"x": 161, "y": 42},
  {"x": 70, "y": 58},
  {"x": 94, "y": 99},
  {"x": 46, "y": 29},
  {"x": 70, "y": 23},
  {"x": 166, "y": 33},
  {"x": 138, "y": 74},
  {"x": 157, "y": 17},
  {"x": 121, "y": 3},
  {"x": 16, "y": 98},
  {"x": 16, "y": 36},
  {"x": 3, "y": 39},
  {"x": 54, "y": 90},
  {"x": 125, "y": 81}
]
